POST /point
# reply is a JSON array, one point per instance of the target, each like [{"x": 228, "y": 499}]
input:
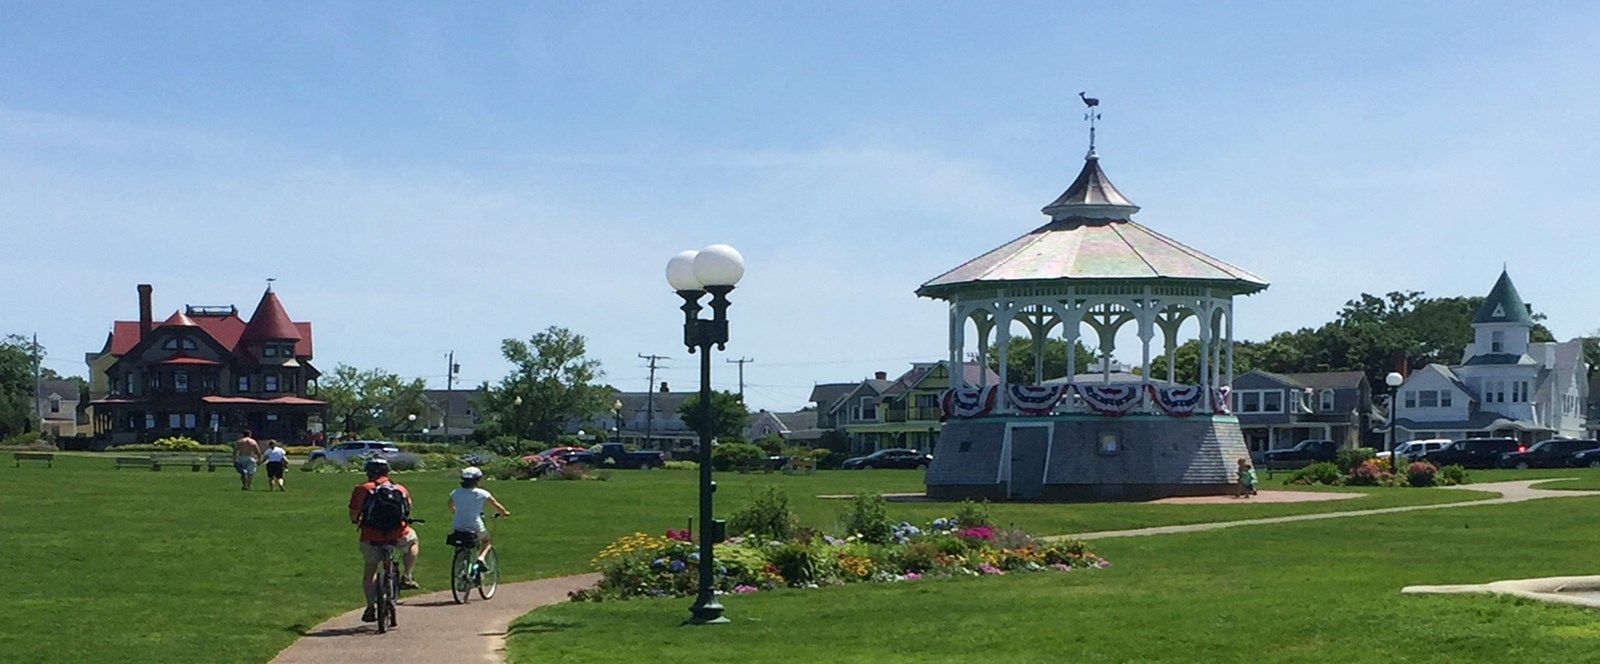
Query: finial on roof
[
  {"x": 269, "y": 283},
  {"x": 1093, "y": 103}
]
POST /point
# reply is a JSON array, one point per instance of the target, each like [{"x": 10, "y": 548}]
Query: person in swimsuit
[
  {"x": 246, "y": 452},
  {"x": 277, "y": 458}
]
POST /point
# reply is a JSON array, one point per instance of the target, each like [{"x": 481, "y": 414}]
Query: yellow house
[{"x": 904, "y": 412}]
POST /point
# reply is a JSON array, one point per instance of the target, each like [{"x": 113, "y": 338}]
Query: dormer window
[
  {"x": 1497, "y": 342},
  {"x": 55, "y": 404},
  {"x": 269, "y": 351},
  {"x": 1326, "y": 400},
  {"x": 171, "y": 344},
  {"x": 270, "y": 382}
]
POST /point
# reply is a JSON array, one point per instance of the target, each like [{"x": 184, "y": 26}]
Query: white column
[
  {"x": 1040, "y": 334},
  {"x": 1205, "y": 355},
  {"x": 1230, "y": 343},
  {"x": 1146, "y": 331},
  {"x": 958, "y": 345},
  {"x": 1002, "y": 340}
]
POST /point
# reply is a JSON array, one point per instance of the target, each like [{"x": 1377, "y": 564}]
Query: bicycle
[
  {"x": 388, "y": 583},
  {"x": 463, "y": 575}
]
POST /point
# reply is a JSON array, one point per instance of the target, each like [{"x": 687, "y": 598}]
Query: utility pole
[
  {"x": 38, "y": 407},
  {"x": 741, "y": 362},
  {"x": 650, "y": 398},
  {"x": 449, "y": 391}
]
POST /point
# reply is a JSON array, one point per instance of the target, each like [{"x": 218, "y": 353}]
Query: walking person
[
  {"x": 277, "y": 458},
  {"x": 1247, "y": 478},
  {"x": 246, "y": 453}
]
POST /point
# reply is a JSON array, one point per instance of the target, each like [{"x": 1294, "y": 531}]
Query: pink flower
[
  {"x": 911, "y": 576},
  {"x": 681, "y": 535},
  {"x": 741, "y": 588},
  {"x": 976, "y": 532},
  {"x": 986, "y": 568}
]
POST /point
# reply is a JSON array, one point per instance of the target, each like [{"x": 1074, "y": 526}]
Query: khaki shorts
[{"x": 372, "y": 552}]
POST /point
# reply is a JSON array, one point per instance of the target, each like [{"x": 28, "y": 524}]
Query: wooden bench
[
  {"x": 214, "y": 461},
  {"x": 800, "y": 467},
  {"x": 193, "y": 461},
  {"x": 48, "y": 458},
  {"x": 132, "y": 462}
]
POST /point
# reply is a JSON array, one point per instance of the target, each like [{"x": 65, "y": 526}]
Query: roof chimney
[
  {"x": 881, "y": 375},
  {"x": 1402, "y": 364},
  {"x": 664, "y": 389},
  {"x": 146, "y": 317}
]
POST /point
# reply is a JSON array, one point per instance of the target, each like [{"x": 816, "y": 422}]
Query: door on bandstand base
[{"x": 1029, "y": 446}]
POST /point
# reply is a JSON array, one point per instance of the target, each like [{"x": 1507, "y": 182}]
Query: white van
[{"x": 1416, "y": 449}]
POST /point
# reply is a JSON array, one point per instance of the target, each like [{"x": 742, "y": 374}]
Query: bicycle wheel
[
  {"x": 460, "y": 579},
  {"x": 394, "y": 595},
  {"x": 490, "y": 580},
  {"x": 383, "y": 606}
]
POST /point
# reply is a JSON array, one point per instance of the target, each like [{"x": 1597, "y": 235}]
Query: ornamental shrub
[
  {"x": 731, "y": 456},
  {"x": 1367, "y": 473},
  {"x": 1349, "y": 460},
  {"x": 767, "y": 517},
  {"x": 969, "y": 513},
  {"x": 868, "y": 516},
  {"x": 1421, "y": 473},
  {"x": 1326, "y": 473},
  {"x": 176, "y": 444},
  {"x": 797, "y": 563},
  {"x": 1453, "y": 475}
]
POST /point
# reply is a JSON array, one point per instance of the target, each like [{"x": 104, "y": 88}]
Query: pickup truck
[
  {"x": 1304, "y": 453},
  {"x": 614, "y": 454}
]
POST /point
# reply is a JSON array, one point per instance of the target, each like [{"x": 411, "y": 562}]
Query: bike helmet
[
  {"x": 377, "y": 466},
  {"x": 471, "y": 473}
]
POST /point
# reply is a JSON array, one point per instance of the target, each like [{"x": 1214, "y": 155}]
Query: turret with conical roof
[
  {"x": 1501, "y": 328},
  {"x": 1503, "y": 305},
  {"x": 270, "y": 322},
  {"x": 1091, "y": 196}
]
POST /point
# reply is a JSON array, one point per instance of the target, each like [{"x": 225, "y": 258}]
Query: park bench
[
  {"x": 193, "y": 461},
  {"x": 800, "y": 467},
  {"x": 48, "y": 458},
  {"x": 214, "y": 461},
  {"x": 132, "y": 462}
]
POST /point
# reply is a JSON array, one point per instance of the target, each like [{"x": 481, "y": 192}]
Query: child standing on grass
[{"x": 1247, "y": 478}]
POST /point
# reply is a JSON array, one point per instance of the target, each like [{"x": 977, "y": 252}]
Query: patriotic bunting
[{"x": 1036, "y": 399}]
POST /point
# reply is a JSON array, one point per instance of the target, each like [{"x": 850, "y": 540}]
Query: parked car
[
  {"x": 1413, "y": 450},
  {"x": 355, "y": 449},
  {"x": 1475, "y": 452},
  {"x": 1590, "y": 458},
  {"x": 615, "y": 454},
  {"x": 889, "y": 458},
  {"x": 1304, "y": 453},
  {"x": 1555, "y": 453}
]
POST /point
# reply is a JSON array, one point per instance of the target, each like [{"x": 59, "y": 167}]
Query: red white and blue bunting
[
  {"x": 965, "y": 402},
  {"x": 1222, "y": 400},
  {"x": 1036, "y": 399},
  {"x": 1110, "y": 399},
  {"x": 1177, "y": 400}
]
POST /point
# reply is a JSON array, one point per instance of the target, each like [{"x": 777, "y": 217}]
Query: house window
[
  {"x": 1272, "y": 401},
  {"x": 149, "y": 421},
  {"x": 1444, "y": 398},
  {"x": 1497, "y": 343},
  {"x": 269, "y": 351},
  {"x": 1411, "y": 399},
  {"x": 130, "y": 382},
  {"x": 154, "y": 380},
  {"x": 1428, "y": 399},
  {"x": 1258, "y": 401},
  {"x": 216, "y": 421},
  {"x": 180, "y": 381},
  {"x": 869, "y": 408},
  {"x": 188, "y": 420},
  {"x": 171, "y": 343},
  {"x": 174, "y": 421},
  {"x": 55, "y": 404},
  {"x": 188, "y": 344},
  {"x": 272, "y": 417},
  {"x": 1109, "y": 443},
  {"x": 288, "y": 383},
  {"x": 244, "y": 383},
  {"x": 1327, "y": 401},
  {"x": 270, "y": 382}
]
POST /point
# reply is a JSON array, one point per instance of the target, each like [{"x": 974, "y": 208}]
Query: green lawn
[
  {"x": 175, "y": 566},
  {"x": 1325, "y": 591}
]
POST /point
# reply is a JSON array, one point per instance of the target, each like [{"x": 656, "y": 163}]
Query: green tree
[
  {"x": 729, "y": 416},
  {"x": 372, "y": 398},
  {"x": 551, "y": 383},
  {"x": 16, "y": 389},
  {"x": 1186, "y": 361},
  {"x": 1019, "y": 359}
]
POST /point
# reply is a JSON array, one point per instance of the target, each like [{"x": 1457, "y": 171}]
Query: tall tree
[
  {"x": 1020, "y": 364},
  {"x": 551, "y": 383},
  {"x": 16, "y": 387},
  {"x": 358, "y": 399},
  {"x": 729, "y": 415}
]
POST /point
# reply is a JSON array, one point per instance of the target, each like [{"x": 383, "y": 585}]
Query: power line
[{"x": 741, "y": 362}]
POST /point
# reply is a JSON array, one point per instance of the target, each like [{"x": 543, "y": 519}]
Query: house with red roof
[{"x": 206, "y": 373}]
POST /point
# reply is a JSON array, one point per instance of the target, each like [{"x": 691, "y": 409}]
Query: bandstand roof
[{"x": 1090, "y": 237}]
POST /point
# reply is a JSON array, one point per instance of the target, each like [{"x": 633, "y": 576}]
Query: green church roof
[{"x": 1503, "y": 305}]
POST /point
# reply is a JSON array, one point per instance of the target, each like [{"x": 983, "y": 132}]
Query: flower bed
[{"x": 642, "y": 565}]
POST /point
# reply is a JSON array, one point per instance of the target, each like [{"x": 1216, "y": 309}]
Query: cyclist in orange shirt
[{"x": 378, "y": 475}]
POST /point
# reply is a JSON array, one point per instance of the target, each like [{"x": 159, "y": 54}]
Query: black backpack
[{"x": 385, "y": 508}]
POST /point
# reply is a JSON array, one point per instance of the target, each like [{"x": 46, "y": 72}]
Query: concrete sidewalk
[{"x": 433, "y": 628}]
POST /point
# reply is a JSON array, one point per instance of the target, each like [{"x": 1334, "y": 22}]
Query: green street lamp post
[{"x": 693, "y": 274}]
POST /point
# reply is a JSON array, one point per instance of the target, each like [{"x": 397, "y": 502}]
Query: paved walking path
[
  {"x": 1510, "y": 492},
  {"x": 434, "y": 629}
]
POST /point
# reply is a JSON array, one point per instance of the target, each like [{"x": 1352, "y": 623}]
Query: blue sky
[{"x": 422, "y": 179}]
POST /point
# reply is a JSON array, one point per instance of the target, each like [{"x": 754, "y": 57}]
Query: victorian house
[
  {"x": 206, "y": 373},
  {"x": 1505, "y": 385}
]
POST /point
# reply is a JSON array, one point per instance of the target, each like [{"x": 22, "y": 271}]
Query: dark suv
[
  {"x": 1548, "y": 454},
  {"x": 1475, "y": 452},
  {"x": 1304, "y": 453}
]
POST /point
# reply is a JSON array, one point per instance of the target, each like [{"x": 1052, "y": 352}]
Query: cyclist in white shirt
[{"x": 467, "y": 505}]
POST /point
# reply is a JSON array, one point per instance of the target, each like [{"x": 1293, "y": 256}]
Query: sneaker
[
  {"x": 370, "y": 615},
  {"x": 408, "y": 582}
]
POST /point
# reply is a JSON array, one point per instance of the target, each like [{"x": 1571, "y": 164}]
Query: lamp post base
[{"x": 706, "y": 612}]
